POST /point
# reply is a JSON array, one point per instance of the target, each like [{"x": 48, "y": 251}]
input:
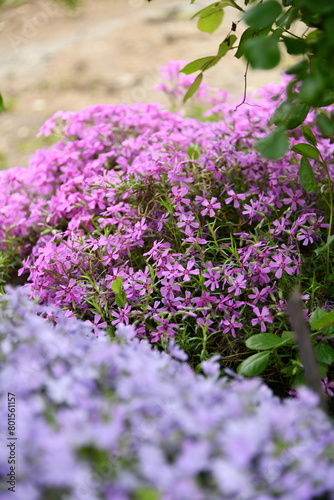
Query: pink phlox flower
[
  {"x": 179, "y": 194},
  {"x": 187, "y": 221},
  {"x": 328, "y": 387},
  {"x": 294, "y": 198},
  {"x": 230, "y": 325},
  {"x": 260, "y": 295},
  {"x": 96, "y": 325},
  {"x": 186, "y": 272},
  {"x": 307, "y": 236},
  {"x": 281, "y": 226},
  {"x": 262, "y": 317},
  {"x": 282, "y": 263},
  {"x": 237, "y": 284},
  {"x": 213, "y": 277},
  {"x": 154, "y": 310},
  {"x": 168, "y": 288},
  {"x": 235, "y": 197},
  {"x": 210, "y": 207},
  {"x": 122, "y": 315},
  {"x": 159, "y": 248}
]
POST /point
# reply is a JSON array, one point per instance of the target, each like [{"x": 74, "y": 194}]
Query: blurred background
[{"x": 102, "y": 52}]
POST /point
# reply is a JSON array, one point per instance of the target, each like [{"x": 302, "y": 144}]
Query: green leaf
[
  {"x": 193, "y": 87},
  {"x": 309, "y": 135},
  {"x": 306, "y": 175},
  {"x": 146, "y": 494},
  {"x": 325, "y": 125},
  {"x": 312, "y": 89},
  {"x": 263, "y": 15},
  {"x": 274, "y": 146},
  {"x": 294, "y": 46},
  {"x": 247, "y": 34},
  {"x": 328, "y": 243},
  {"x": 264, "y": 341},
  {"x": 326, "y": 319},
  {"x": 288, "y": 337},
  {"x": 193, "y": 151},
  {"x": 306, "y": 150},
  {"x": 116, "y": 285},
  {"x": 254, "y": 365},
  {"x": 120, "y": 299},
  {"x": 2, "y": 105},
  {"x": 213, "y": 7},
  {"x": 324, "y": 353},
  {"x": 262, "y": 52},
  {"x": 290, "y": 114},
  {"x": 211, "y": 22},
  {"x": 197, "y": 65},
  {"x": 226, "y": 45}
]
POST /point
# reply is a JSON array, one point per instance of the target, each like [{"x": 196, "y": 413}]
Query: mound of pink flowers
[{"x": 200, "y": 229}]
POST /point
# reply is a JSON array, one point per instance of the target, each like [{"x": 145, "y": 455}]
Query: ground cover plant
[
  {"x": 181, "y": 228},
  {"x": 123, "y": 421}
]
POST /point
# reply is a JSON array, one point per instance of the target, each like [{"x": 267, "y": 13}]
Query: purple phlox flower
[
  {"x": 159, "y": 248},
  {"x": 186, "y": 272},
  {"x": 175, "y": 351},
  {"x": 187, "y": 222},
  {"x": 260, "y": 295},
  {"x": 262, "y": 317},
  {"x": 328, "y": 387},
  {"x": 237, "y": 284},
  {"x": 168, "y": 288},
  {"x": 212, "y": 277},
  {"x": 307, "y": 236},
  {"x": 294, "y": 198},
  {"x": 122, "y": 316},
  {"x": 253, "y": 210},
  {"x": 195, "y": 240},
  {"x": 211, "y": 367},
  {"x": 210, "y": 207},
  {"x": 172, "y": 270},
  {"x": 96, "y": 325},
  {"x": 281, "y": 226},
  {"x": 128, "y": 332},
  {"x": 282, "y": 263},
  {"x": 71, "y": 292},
  {"x": 179, "y": 194},
  {"x": 206, "y": 321},
  {"x": 235, "y": 197},
  {"x": 152, "y": 310},
  {"x": 205, "y": 300},
  {"x": 230, "y": 325},
  {"x": 165, "y": 329}
]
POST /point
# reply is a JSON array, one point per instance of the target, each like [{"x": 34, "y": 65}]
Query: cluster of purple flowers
[
  {"x": 197, "y": 224},
  {"x": 121, "y": 420}
]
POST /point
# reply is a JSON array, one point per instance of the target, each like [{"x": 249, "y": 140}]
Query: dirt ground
[{"x": 106, "y": 51}]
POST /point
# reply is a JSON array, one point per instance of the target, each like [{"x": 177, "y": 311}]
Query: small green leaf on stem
[
  {"x": 309, "y": 135},
  {"x": 306, "y": 175},
  {"x": 197, "y": 65},
  {"x": 306, "y": 150},
  {"x": 211, "y": 22},
  {"x": 193, "y": 87}
]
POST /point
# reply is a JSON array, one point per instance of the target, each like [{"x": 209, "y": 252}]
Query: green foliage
[
  {"x": 254, "y": 365},
  {"x": 271, "y": 30}
]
